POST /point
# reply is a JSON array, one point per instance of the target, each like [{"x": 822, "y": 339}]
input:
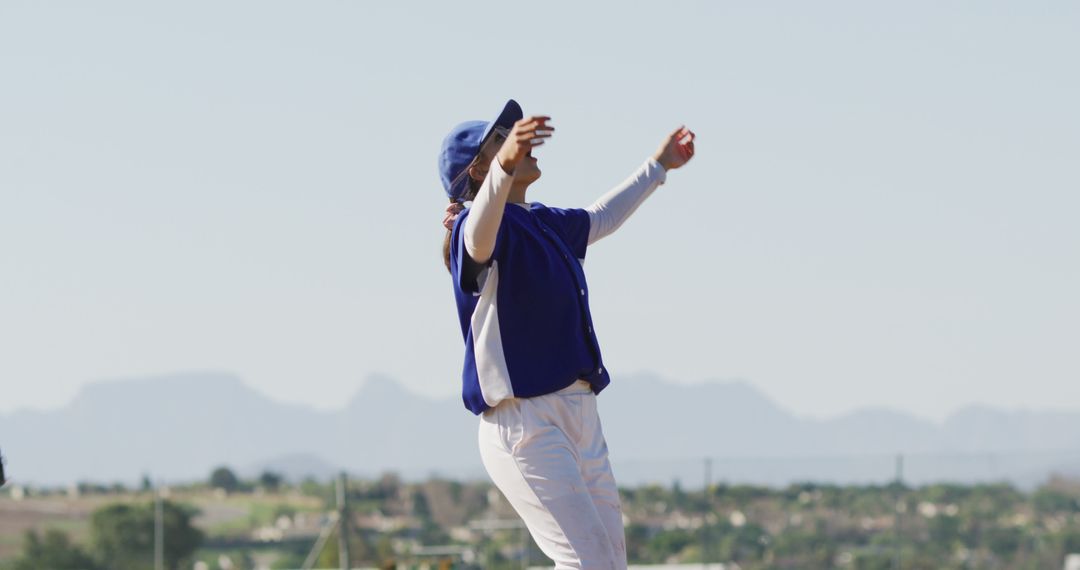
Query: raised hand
[
  {"x": 527, "y": 134},
  {"x": 677, "y": 149}
]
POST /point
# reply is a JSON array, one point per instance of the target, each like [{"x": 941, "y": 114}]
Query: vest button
[{"x": 582, "y": 292}]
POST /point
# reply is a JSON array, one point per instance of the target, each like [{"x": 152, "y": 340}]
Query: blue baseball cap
[{"x": 461, "y": 146}]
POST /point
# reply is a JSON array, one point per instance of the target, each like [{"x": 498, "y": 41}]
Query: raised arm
[
  {"x": 482, "y": 225},
  {"x": 612, "y": 209},
  {"x": 615, "y": 207},
  {"x": 485, "y": 216}
]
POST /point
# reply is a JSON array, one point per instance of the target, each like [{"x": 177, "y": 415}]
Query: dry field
[{"x": 219, "y": 514}]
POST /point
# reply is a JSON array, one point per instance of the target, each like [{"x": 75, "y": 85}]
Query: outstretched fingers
[
  {"x": 526, "y": 134},
  {"x": 535, "y": 122},
  {"x": 685, "y": 142},
  {"x": 531, "y": 131},
  {"x": 676, "y": 149}
]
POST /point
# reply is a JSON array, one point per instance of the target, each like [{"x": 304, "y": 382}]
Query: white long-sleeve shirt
[{"x": 606, "y": 215}]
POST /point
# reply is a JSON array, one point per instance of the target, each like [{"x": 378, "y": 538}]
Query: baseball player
[{"x": 532, "y": 361}]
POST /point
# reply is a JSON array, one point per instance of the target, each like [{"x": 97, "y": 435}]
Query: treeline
[
  {"x": 939, "y": 527},
  {"x": 121, "y": 538},
  {"x": 221, "y": 478}
]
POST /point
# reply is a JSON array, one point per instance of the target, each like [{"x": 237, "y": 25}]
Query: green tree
[
  {"x": 421, "y": 508},
  {"x": 224, "y": 478},
  {"x": 667, "y": 543},
  {"x": 54, "y": 551},
  {"x": 746, "y": 543},
  {"x": 123, "y": 535},
  {"x": 1050, "y": 501},
  {"x": 271, "y": 481}
]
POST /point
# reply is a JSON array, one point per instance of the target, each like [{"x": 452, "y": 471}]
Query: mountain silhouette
[{"x": 179, "y": 427}]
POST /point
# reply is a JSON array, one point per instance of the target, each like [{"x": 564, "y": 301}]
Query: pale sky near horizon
[{"x": 882, "y": 211}]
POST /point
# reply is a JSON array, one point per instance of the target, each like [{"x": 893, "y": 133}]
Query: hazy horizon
[
  {"x": 454, "y": 396},
  {"x": 206, "y": 419},
  {"x": 881, "y": 213}
]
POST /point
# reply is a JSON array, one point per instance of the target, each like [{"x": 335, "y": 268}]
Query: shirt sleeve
[
  {"x": 572, "y": 225},
  {"x": 467, "y": 272},
  {"x": 615, "y": 207},
  {"x": 487, "y": 211}
]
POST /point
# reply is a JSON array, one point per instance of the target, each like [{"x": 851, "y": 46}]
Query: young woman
[{"x": 532, "y": 362}]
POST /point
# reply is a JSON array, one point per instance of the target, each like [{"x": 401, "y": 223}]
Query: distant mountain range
[{"x": 179, "y": 427}]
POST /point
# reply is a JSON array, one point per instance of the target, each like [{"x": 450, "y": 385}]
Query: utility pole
[
  {"x": 897, "y": 514},
  {"x": 706, "y": 495},
  {"x": 343, "y": 522},
  {"x": 339, "y": 521},
  {"x": 324, "y": 536},
  {"x": 159, "y": 529}
]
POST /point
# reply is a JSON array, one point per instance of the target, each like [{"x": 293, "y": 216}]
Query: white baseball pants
[{"x": 548, "y": 457}]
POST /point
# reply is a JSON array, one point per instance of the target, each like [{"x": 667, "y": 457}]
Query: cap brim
[{"x": 510, "y": 114}]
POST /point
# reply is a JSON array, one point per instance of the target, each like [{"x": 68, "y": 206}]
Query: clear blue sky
[{"x": 882, "y": 211}]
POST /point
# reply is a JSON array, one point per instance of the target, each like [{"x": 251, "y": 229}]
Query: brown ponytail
[
  {"x": 474, "y": 187},
  {"x": 446, "y": 250}
]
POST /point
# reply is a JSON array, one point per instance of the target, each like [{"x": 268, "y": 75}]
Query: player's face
[
  {"x": 527, "y": 170},
  {"x": 482, "y": 163}
]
